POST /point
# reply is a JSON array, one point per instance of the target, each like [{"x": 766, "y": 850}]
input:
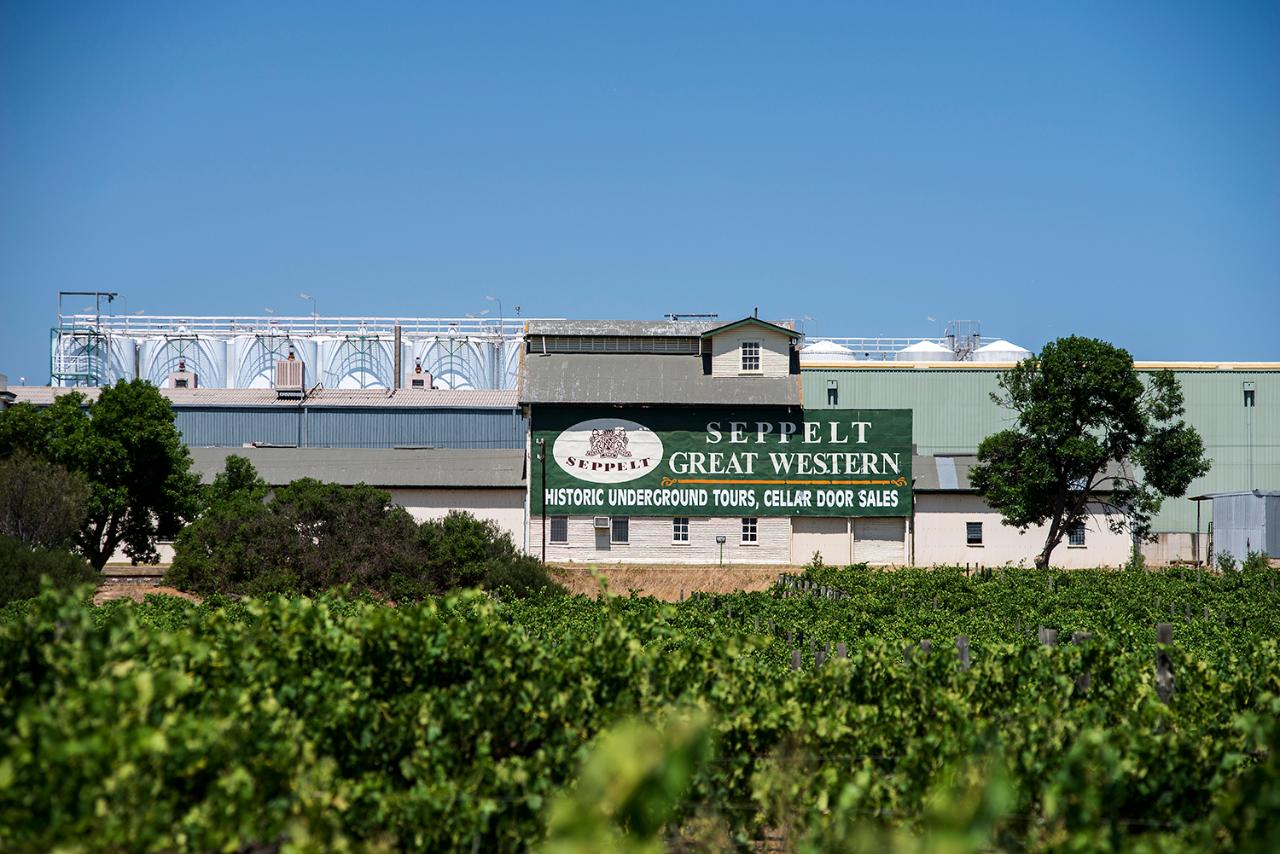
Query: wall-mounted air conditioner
[{"x": 600, "y": 522}]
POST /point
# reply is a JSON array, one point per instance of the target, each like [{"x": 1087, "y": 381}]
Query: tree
[
  {"x": 1088, "y": 432},
  {"x": 130, "y": 454},
  {"x": 41, "y": 504}
]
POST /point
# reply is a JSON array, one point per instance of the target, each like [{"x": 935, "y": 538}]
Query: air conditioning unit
[
  {"x": 601, "y": 522},
  {"x": 289, "y": 378},
  {"x": 420, "y": 381}
]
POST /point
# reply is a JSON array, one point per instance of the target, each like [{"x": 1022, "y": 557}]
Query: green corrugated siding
[{"x": 953, "y": 412}]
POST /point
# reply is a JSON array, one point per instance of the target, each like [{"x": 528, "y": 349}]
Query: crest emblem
[{"x": 610, "y": 443}]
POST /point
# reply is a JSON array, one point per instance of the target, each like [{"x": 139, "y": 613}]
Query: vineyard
[{"x": 848, "y": 709}]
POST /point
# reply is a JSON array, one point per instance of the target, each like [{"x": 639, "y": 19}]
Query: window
[
  {"x": 680, "y": 529},
  {"x": 620, "y": 530},
  {"x": 750, "y": 530},
  {"x": 750, "y": 355},
  {"x": 559, "y": 529},
  {"x": 833, "y": 393},
  {"x": 1075, "y": 536},
  {"x": 973, "y": 533}
]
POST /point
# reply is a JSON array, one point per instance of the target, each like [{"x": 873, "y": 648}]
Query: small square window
[
  {"x": 750, "y": 530},
  {"x": 620, "y": 529},
  {"x": 833, "y": 393},
  {"x": 559, "y": 529},
  {"x": 750, "y": 355},
  {"x": 973, "y": 533},
  {"x": 680, "y": 529},
  {"x": 1075, "y": 536}
]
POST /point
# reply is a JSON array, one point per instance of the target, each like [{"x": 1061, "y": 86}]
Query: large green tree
[
  {"x": 128, "y": 451},
  {"x": 1089, "y": 433}
]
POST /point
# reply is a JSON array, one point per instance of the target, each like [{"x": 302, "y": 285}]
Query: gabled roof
[{"x": 753, "y": 321}]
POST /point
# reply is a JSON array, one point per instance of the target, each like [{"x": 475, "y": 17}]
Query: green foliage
[
  {"x": 1225, "y": 561},
  {"x": 309, "y": 537},
  {"x": 1255, "y": 562},
  {"x": 1085, "y": 420},
  {"x": 465, "y": 722},
  {"x": 22, "y": 567},
  {"x": 128, "y": 451},
  {"x": 41, "y": 504},
  {"x": 630, "y": 788}
]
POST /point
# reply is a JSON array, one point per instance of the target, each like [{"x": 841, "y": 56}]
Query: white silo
[
  {"x": 1000, "y": 351},
  {"x": 826, "y": 351},
  {"x": 925, "y": 351}
]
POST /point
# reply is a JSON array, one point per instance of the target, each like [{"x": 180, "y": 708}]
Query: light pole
[
  {"x": 720, "y": 539},
  {"x": 315, "y": 315},
  {"x": 500, "y": 314}
]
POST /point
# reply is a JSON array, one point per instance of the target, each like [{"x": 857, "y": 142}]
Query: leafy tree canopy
[
  {"x": 130, "y": 454},
  {"x": 42, "y": 505},
  {"x": 1089, "y": 432}
]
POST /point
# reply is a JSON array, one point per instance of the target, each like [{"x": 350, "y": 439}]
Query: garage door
[
  {"x": 827, "y": 536},
  {"x": 879, "y": 541}
]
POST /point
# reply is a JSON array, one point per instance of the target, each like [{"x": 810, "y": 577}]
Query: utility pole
[{"x": 542, "y": 458}]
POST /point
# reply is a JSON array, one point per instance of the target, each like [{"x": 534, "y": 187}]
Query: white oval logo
[{"x": 608, "y": 450}]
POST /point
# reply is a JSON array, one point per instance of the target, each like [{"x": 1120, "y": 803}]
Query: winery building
[{"x": 685, "y": 442}]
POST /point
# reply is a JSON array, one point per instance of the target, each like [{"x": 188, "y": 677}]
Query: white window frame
[
  {"x": 968, "y": 541},
  {"x": 551, "y": 530},
  {"x": 750, "y": 531},
  {"x": 679, "y": 526},
  {"x": 743, "y": 356},
  {"x": 1071, "y": 533},
  {"x": 613, "y": 528}
]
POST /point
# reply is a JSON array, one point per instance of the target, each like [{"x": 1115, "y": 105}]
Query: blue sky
[{"x": 1109, "y": 169}]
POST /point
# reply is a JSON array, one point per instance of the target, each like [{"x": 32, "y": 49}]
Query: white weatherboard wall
[
  {"x": 940, "y": 537},
  {"x": 650, "y": 541},
  {"x": 726, "y": 352},
  {"x": 503, "y": 506}
]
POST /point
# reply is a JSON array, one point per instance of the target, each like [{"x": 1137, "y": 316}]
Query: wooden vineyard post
[
  {"x": 1048, "y": 637},
  {"x": 819, "y": 657},
  {"x": 926, "y": 646},
  {"x": 962, "y": 647},
  {"x": 842, "y": 651},
  {"x": 795, "y": 659},
  {"x": 1164, "y": 663},
  {"x": 1082, "y": 681}
]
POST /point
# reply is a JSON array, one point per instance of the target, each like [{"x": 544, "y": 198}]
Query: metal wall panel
[
  {"x": 382, "y": 427},
  {"x": 953, "y": 412}
]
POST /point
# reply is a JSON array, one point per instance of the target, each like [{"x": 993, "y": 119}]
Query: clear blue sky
[{"x": 1109, "y": 169}]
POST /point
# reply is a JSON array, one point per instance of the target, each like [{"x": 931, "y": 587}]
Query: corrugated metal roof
[
  {"x": 661, "y": 328},
  {"x": 950, "y": 472},
  {"x": 404, "y": 398},
  {"x": 677, "y": 328},
  {"x": 384, "y": 467},
  {"x": 645, "y": 378}
]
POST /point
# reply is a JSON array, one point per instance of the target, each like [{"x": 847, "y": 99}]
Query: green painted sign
[{"x": 716, "y": 462}]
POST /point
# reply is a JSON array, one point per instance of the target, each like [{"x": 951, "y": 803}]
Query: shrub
[
  {"x": 520, "y": 575},
  {"x": 22, "y": 566},
  {"x": 1255, "y": 562},
  {"x": 310, "y": 536},
  {"x": 1226, "y": 563}
]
